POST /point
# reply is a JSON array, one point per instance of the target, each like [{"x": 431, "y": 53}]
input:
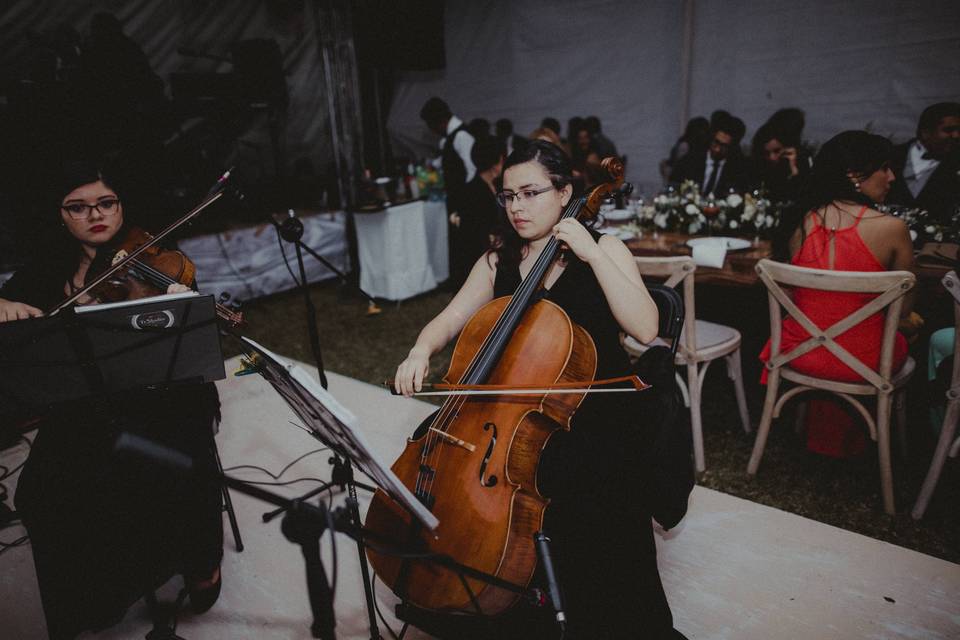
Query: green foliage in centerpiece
[{"x": 686, "y": 210}]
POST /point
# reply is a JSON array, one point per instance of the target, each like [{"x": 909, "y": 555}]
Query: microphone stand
[{"x": 291, "y": 230}]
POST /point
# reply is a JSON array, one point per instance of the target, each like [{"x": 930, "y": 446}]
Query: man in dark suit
[
  {"x": 722, "y": 166},
  {"x": 928, "y": 167}
]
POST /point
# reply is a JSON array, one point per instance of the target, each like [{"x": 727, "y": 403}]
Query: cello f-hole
[{"x": 492, "y": 480}]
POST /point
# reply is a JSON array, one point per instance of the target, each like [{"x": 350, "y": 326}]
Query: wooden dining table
[{"x": 739, "y": 267}]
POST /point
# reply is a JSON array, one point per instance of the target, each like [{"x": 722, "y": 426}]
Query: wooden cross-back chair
[
  {"x": 890, "y": 287},
  {"x": 948, "y": 443},
  {"x": 699, "y": 344}
]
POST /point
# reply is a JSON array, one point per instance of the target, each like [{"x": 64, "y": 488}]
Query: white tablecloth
[
  {"x": 247, "y": 263},
  {"x": 403, "y": 250}
]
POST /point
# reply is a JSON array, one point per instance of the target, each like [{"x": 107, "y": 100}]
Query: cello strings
[{"x": 515, "y": 308}]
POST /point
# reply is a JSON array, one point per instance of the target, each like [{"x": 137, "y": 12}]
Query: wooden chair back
[
  {"x": 676, "y": 270},
  {"x": 890, "y": 287}
]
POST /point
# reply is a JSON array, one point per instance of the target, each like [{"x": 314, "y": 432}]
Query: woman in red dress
[{"x": 836, "y": 227}]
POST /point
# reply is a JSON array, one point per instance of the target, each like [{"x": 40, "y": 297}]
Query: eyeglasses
[
  {"x": 82, "y": 210},
  {"x": 506, "y": 197}
]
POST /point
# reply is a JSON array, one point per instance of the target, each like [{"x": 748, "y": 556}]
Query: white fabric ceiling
[{"x": 854, "y": 64}]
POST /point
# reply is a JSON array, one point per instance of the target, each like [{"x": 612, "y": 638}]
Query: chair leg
[
  {"x": 900, "y": 407},
  {"x": 939, "y": 458},
  {"x": 696, "y": 427},
  {"x": 763, "y": 430},
  {"x": 884, "y": 402},
  {"x": 735, "y": 374},
  {"x": 228, "y": 503},
  {"x": 683, "y": 389}
]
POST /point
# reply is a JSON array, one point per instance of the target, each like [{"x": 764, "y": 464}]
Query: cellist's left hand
[
  {"x": 578, "y": 239},
  {"x": 176, "y": 287}
]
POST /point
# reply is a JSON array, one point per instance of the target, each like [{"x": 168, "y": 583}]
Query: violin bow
[{"x": 446, "y": 389}]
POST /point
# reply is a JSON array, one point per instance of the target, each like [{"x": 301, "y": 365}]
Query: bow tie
[{"x": 926, "y": 156}]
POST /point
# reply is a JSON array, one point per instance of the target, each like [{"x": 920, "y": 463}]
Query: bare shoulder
[{"x": 883, "y": 224}]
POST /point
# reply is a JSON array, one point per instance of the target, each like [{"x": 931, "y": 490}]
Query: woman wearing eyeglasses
[
  {"x": 611, "y": 471},
  {"x": 104, "y": 532}
]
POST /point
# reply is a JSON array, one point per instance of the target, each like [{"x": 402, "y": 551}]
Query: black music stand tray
[{"x": 109, "y": 348}]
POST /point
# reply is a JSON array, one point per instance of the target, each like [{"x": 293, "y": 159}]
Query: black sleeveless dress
[{"x": 604, "y": 481}]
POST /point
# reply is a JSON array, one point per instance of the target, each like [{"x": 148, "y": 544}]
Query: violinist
[
  {"x": 602, "y": 477},
  {"x": 103, "y": 532}
]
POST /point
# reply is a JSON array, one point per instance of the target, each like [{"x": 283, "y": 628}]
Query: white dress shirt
[
  {"x": 708, "y": 169},
  {"x": 462, "y": 144},
  {"x": 918, "y": 169}
]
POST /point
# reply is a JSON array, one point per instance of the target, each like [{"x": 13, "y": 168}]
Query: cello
[{"x": 474, "y": 463}]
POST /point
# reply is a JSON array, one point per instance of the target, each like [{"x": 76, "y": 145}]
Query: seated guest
[
  {"x": 695, "y": 138},
  {"x": 601, "y": 143},
  {"x": 928, "y": 167},
  {"x": 548, "y": 135},
  {"x": 574, "y": 125},
  {"x": 790, "y": 121},
  {"x": 585, "y": 160},
  {"x": 721, "y": 168},
  {"x": 479, "y": 128},
  {"x": 503, "y": 129},
  {"x": 777, "y": 165},
  {"x": 479, "y": 214},
  {"x": 551, "y": 123},
  {"x": 835, "y": 226}
]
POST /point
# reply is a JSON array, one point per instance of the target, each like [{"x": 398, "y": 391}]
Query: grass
[{"x": 843, "y": 493}]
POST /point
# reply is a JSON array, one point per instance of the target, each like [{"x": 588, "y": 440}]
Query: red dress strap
[{"x": 863, "y": 210}]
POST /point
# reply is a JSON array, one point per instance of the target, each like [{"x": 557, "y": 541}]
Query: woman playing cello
[
  {"x": 103, "y": 532},
  {"x": 604, "y": 476}
]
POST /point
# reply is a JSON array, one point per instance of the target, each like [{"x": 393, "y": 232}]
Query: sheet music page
[{"x": 335, "y": 425}]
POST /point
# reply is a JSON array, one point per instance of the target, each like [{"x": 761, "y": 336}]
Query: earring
[{"x": 856, "y": 186}]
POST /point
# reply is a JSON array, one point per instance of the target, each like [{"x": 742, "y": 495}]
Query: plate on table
[
  {"x": 731, "y": 244},
  {"x": 618, "y": 215}
]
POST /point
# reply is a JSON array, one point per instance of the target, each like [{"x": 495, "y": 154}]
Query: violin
[
  {"x": 150, "y": 274},
  {"x": 141, "y": 269},
  {"x": 474, "y": 464}
]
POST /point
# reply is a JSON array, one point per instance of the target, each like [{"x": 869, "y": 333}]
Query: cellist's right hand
[
  {"x": 10, "y": 310},
  {"x": 411, "y": 372}
]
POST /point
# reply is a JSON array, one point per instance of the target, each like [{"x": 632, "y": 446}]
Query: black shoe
[{"x": 202, "y": 598}]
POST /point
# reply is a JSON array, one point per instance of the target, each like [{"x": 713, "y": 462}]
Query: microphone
[
  {"x": 221, "y": 181},
  {"x": 541, "y": 541}
]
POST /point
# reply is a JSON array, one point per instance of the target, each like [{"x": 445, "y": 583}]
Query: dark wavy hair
[
  {"x": 856, "y": 152},
  {"x": 510, "y": 246}
]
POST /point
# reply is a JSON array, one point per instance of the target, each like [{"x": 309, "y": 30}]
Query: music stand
[
  {"x": 335, "y": 426},
  {"x": 109, "y": 348}
]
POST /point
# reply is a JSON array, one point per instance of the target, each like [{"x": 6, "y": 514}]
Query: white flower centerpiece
[
  {"x": 684, "y": 209},
  {"x": 923, "y": 228}
]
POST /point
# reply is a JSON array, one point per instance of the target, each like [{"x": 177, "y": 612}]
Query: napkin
[{"x": 710, "y": 254}]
